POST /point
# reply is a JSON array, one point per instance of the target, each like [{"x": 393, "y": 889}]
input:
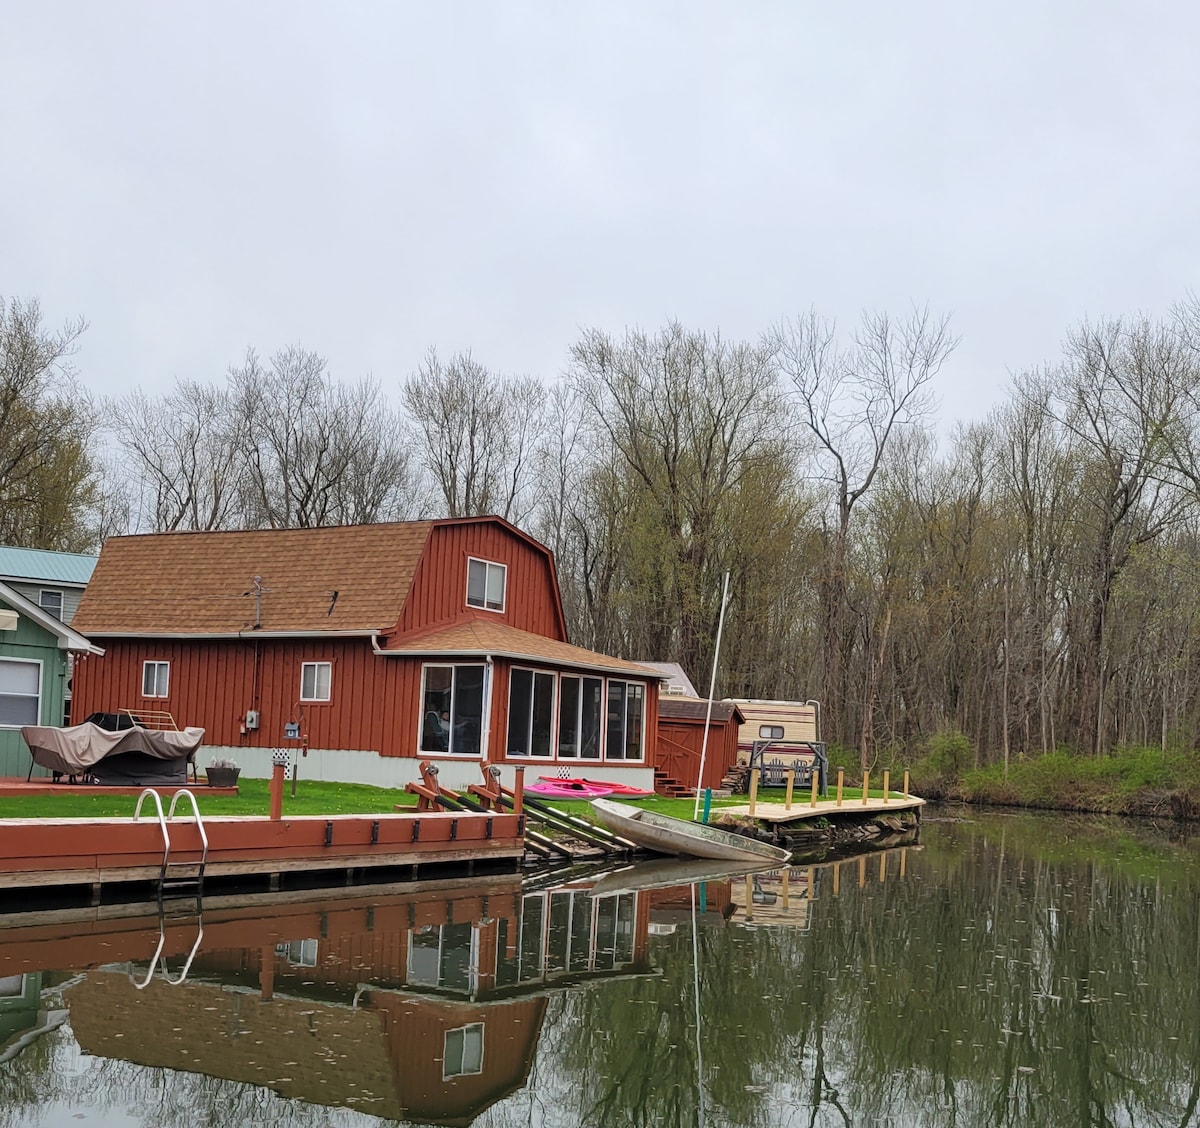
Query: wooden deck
[
  {"x": 63, "y": 852},
  {"x": 826, "y": 808}
]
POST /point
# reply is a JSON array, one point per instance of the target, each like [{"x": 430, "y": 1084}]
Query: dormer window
[
  {"x": 51, "y": 601},
  {"x": 486, "y": 581}
]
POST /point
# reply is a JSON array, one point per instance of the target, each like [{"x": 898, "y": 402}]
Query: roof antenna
[
  {"x": 259, "y": 591},
  {"x": 332, "y": 600}
]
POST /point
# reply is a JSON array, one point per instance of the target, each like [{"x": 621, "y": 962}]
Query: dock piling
[
  {"x": 886, "y": 784},
  {"x": 841, "y": 780},
  {"x": 753, "y": 790},
  {"x": 866, "y": 786},
  {"x": 791, "y": 783}
]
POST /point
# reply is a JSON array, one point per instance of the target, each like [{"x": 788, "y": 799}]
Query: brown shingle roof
[
  {"x": 487, "y": 636},
  {"x": 203, "y": 583}
]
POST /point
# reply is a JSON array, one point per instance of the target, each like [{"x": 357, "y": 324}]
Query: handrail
[
  {"x": 199, "y": 826},
  {"x": 162, "y": 822}
]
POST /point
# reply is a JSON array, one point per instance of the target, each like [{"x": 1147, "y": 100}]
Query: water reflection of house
[
  {"x": 422, "y": 1009},
  {"x": 22, "y": 1016}
]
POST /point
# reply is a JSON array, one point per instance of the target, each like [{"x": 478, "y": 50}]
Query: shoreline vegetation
[{"x": 1138, "y": 781}]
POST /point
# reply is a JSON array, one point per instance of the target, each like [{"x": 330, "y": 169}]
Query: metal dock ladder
[{"x": 195, "y": 878}]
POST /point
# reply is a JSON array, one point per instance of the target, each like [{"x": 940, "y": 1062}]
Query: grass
[
  {"x": 312, "y": 798},
  {"x": 320, "y": 798}
]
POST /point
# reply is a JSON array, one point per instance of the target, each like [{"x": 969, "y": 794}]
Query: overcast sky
[{"x": 372, "y": 179}]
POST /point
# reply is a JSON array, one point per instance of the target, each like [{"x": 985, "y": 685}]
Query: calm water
[{"x": 1009, "y": 969}]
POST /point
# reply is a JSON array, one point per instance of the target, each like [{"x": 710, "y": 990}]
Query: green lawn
[{"x": 315, "y": 798}]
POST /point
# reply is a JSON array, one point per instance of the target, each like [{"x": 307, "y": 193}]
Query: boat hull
[{"x": 665, "y": 835}]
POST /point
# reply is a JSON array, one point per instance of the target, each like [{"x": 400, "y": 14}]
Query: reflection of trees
[{"x": 1018, "y": 976}]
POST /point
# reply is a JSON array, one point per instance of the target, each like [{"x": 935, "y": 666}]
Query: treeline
[{"x": 1031, "y": 582}]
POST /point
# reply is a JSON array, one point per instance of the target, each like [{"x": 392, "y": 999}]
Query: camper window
[{"x": 770, "y": 732}]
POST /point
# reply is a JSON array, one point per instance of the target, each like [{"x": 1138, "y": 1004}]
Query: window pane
[
  {"x": 520, "y": 702},
  {"x": 472, "y": 1058},
  {"x": 543, "y": 713},
  {"x": 635, "y": 708},
  {"x": 495, "y": 586},
  {"x": 467, "y": 710},
  {"x": 476, "y": 582},
  {"x": 589, "y": 718},
  {"x": 456, "y": 956},
  {"x": 435, "y": 709},
  {"x": 615, "y": 747},
  {"x": 19, "y": 677},
  {"x": 423, "y": 950},
  {"x": 581, "y": 933},
  {"x": 452, "y": 1055},
  {"x": 18, "y": 710},
  {"x": 568, "y": 716},
  {"x": 533, "y": 919},
  {"x": 324, "y": 677}
]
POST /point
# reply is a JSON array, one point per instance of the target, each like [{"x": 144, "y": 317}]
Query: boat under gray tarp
[{"x": 131, "y": 756}]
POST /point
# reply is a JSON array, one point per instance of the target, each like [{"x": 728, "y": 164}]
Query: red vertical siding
[
  {"x": 439, "y": 589},
  {"x": 374, "y": 702}
]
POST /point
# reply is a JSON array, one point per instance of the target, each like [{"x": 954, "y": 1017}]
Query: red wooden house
[{"x": 367, "y": 648}]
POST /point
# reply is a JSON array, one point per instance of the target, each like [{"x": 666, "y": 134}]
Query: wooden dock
[
  {"x": 803, "y": 808},
  {"x": 96, "y": 852}
]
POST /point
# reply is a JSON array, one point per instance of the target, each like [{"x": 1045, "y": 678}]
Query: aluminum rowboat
[{"x": 665, "y": 835}]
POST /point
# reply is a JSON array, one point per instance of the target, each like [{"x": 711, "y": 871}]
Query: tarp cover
[{"x": 78, "y": 749}]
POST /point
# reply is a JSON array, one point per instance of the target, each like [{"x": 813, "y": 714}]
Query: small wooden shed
[{"x": 681, "y": 722}]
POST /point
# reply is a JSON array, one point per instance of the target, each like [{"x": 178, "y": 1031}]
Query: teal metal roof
[{"x": 37, "y": 564}]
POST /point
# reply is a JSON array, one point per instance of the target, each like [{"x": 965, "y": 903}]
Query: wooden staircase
[{"x": 672, "y": 788}]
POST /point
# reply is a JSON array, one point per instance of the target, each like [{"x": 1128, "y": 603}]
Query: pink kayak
[
  {"x": 567, "y": 789},
  {"x": 609, "y": 787}
]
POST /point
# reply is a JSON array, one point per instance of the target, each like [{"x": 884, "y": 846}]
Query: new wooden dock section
[{"x": 802, "y": 808}]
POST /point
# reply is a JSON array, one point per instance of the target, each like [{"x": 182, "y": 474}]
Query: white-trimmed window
[
  {"x": 530, "y": 713},
  {"x": 50, "y": 600},
  {"x": 486, "y": 581},
  {"x": 626, "y": 720},
  {"x": 20, "y": 692},
  {"x": 315, "y": 680},
  {"x": 156, "y": 679},
  {"x": 462, "y": 1052},
  {"x": 452, "y": 700}
]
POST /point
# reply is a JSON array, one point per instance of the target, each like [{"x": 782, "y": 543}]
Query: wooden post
[
  {"x": 841, "y": 780},
  {"x": 812, "y": 877},
  {"x": 866, "y": 786},
  {"x": 887, "y": 778},
  {"x": 862, "y": 870},
  {"x": 787, "y": 803},
  {"x": 785, "y": 888},
  {"x": 277, "y": 773},
  {"x": 905, "y": 783},
  {"x": 837, "y": 873},
  {"x": 749, "y": 898},
  {"x": 753, "y": 789},
  {"x": 812, "y": 802},
  {"x": 519, "y": 790},
  {"x": 903, "y": 858},
  {"x": 882, "y": 866}
]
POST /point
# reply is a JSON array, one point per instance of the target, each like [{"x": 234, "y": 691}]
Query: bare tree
[
  {"x": 316, "y": 452},
  {"x": 480, "y": 433},
  {"x": 852, "y": 400},
  {"x": 185, "y": 449}
]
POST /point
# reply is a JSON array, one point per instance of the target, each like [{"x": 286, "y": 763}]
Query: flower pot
[{"x": 223, "y": 777}]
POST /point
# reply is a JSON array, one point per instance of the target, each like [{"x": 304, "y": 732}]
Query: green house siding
[{"x": 31, "y": 642}]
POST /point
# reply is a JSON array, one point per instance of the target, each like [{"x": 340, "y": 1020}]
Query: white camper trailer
[{"x": 780, "y": 735}]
